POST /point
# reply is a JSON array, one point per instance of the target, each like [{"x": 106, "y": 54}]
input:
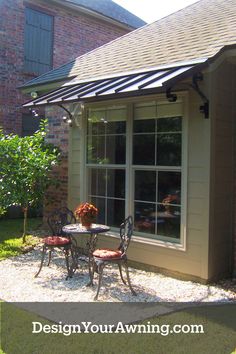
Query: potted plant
[{"x": 86, "y": 213}]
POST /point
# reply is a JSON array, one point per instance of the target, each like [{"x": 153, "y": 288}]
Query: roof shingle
[{"x": 197, "y": 31}]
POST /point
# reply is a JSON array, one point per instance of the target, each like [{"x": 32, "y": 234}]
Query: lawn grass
[
  {"x": 218, "y": 322},
  {"x": 11, "y": 239},
  {"x": 11, "y": 236}
]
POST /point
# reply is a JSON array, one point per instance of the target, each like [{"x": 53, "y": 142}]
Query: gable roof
[
  {"x": 110, "y": 9},
  {"x": 198, "y": 31}
]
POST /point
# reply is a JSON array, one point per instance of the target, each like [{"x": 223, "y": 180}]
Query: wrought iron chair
[
  {"x": 101, "y": 257},
  {"x": 56, "y": 220}
]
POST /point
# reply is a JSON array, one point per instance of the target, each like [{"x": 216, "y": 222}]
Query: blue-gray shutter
[
  {"x": 30, "y": 124},
  {"x": 38, "y": 41}
]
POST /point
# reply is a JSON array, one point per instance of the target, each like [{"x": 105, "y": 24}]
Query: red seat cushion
[
  {"x": 56, "y": 240},
  {"x": 107, "y": 254}
]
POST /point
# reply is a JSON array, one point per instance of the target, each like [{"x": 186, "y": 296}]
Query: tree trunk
[{"x": 25, "y": 211}]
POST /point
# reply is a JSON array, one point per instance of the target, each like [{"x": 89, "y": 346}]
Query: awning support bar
[
  {"x": 67, "y": 119},
  {"x": 205, "y": 107}
]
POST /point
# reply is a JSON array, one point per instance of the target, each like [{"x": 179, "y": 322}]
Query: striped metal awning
[{"x": 119, "y": 86}]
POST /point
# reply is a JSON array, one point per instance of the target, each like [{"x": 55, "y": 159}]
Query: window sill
[{"x": 152, "y": 242}]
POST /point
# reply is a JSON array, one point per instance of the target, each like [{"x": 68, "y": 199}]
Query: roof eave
[{"x": 92, "y": 13}]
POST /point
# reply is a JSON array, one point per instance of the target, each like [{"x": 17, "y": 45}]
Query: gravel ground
[{"x": 19, "y": 285}]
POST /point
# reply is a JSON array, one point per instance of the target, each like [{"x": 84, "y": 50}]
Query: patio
[{"x": 18, "y": 284}]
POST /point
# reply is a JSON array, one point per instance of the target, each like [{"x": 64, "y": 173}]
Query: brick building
[{"x": 38, "y": 35}]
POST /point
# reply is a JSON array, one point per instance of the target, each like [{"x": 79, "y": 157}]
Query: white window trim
[{"x": 184, "y": 97}]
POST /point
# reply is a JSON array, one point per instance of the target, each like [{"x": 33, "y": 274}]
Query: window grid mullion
[
  {"x": 106, "y": 200},
  {"x": 157, "y": 176}
]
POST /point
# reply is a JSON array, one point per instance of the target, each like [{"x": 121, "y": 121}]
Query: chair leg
[
  {"x": 121, "y": 275},
  {"x": 91, "y": 265},
  {"x": 42, "y": 259},
  {"x": 128, "y": 279},
  {"x": 74, "y": 264},
  {"x": 93, "y": 269},
  {"x": 100, "y": 272},
  {"x": 66, "y": 251},
  {"x": 49, "y": 257}
]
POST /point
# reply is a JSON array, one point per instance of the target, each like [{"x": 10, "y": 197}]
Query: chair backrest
[
  {"x": 59, "y": 218},
  {"x": 126, "y": 232}
]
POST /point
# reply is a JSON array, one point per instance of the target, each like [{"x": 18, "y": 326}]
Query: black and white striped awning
[{"x": 119, "y": 86}]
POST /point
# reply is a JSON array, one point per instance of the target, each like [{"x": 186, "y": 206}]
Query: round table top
[{"x": 79, "y": 229}]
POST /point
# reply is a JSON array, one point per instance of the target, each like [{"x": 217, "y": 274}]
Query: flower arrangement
[
  {"x": 171, "y": 199},
  {"x": 86, "y": 212}
]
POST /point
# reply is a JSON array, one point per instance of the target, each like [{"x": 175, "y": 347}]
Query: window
[
  {"x": 38, "y": 41},
  {"x": 134, "y": 165}
]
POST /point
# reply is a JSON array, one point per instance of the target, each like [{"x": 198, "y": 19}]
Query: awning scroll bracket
[{"x": 204, "y": 108}]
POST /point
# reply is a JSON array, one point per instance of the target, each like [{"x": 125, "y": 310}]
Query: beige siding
[
  {"x": 192, "y": 258},
  {"x": 222, "y": 115},
  {"x": 198, "y": 184},
  {"x": 198, "y": 188}
]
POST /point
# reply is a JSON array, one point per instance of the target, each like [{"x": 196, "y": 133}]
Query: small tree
[{"x": 25, "y": 166}]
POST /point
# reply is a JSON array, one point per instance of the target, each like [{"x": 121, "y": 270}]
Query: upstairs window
[{"x": 38, "y": 42}]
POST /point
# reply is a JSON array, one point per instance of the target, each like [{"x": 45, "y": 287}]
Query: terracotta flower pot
[{"x": 86, "y": 222}]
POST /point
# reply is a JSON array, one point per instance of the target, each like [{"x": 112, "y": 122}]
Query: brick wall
[
  {"x": 11, "y": 59},
  {"x": 74, "y": 34},
  {"x": 56, "y": 196}
]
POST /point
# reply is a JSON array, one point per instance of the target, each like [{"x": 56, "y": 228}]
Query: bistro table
[{"x": 92, "y": 232}]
